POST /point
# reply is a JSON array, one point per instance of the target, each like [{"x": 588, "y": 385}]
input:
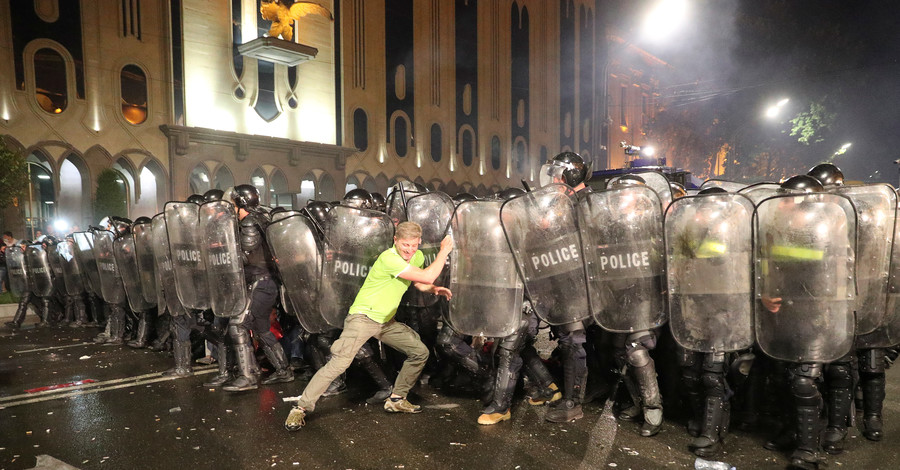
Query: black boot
[
  {"x": 838, "y": 415},
  {"x": 246, "y": 361},
  {"x": 19, "y": 317},
  {"x": 873, "y": 402},
  {"x": 806, "y": 456},
  {"x": 117, "y": 332},
  {"x": 182, "y": 351},
  {"x": 504, "y": 386},
  {"x": 379, "y": 377},
  {"x": 106, "y": 334},
  {"x": 283, "y": 372},
  {"x": 645, "y": 376},
  {"x": 143, "y": 333},
  {"x": 710, "y": 439},
  {"x": 224, "y": 374},
  {"x": 45, "y": 312}
]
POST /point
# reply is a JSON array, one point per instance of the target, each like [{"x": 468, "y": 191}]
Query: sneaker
[
  {"x": 295, "y": 419},
  {"x": 564, "y": 411},
  {"x": 400, "y": 405},
  {"x": 549, "y": 394},
  {"x": 494, "y": 418}
]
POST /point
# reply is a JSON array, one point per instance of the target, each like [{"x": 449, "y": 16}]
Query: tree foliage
[
  {"x": 110, "y": 198},
  {"x": 13, "y": 176},
  {"x": 813, "y": 125}
]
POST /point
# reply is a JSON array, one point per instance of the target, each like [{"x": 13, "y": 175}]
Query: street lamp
[{"x": 775, "y": 109}]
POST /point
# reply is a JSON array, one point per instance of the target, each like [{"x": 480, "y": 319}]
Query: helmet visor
[{"x": 551, "y": 173}]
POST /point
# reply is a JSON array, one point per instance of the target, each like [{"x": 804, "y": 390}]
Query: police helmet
[
  {"x": 827, "y": 174},
  {"x": 575, "y": 170},
  {"x": 245, "y": 196},
  {"x": 713, "y": 190},
  {"x": 318, "y": 210},
  {"x": 463, "y": 197},
  {"x": 196, "y": 199},
  {"x": 627, "y": 180},
  {"x": 510, "y": 193},
  {"x": 677, "y": 189},
  {"x": 379, "y": 201},
  {"x": 121, "y": 226},
  {"x": 213, "y": 195},
  {"x": 803, "y": 183},
  {"x": 141, "y": 220},
  {"x": 358, "y": 198}
]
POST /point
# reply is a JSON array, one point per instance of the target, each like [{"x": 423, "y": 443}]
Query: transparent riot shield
[
  {"x": 165, "y": 274},
  {"x": 432, "y": 211},
  {"x": 542, "y": 230},
  {"x": 487, "y": 291},
  {"x": 40, "y": 277},
  {"x": 759, "y": 191},
  {"x": 84, "y": 251},
  {"x": 622, "y": 233},
  {"x": 402, "y": 192},
  {"x": 354, "y": 239},
  {"x": 143, "y": 246},
  {"x": 892, "y": 312},
  {"x": 111, "y": 285},
  {"x": 658, "y": 183},
  {"x": 298, "y": 256},
  {"x": 220, "y": 248},
  {"x": 805, "y": 289},
  {"x": 730, "y": 186},
  {"x": 182, "y": 226},
  {"x": 71, "y": 269},
  {"x": 709, "y": 272},
  {"x": 284, "y": 214},
  {"x": 126, "y": 259},
  {"x": 876, "y": 215},
  {"x": 16, "y": 270}
]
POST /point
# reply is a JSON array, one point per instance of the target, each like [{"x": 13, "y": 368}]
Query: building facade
[{"x": 182, "y": 96}]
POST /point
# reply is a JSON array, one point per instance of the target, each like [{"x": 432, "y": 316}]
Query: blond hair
[{"x": 408, "y": 230}]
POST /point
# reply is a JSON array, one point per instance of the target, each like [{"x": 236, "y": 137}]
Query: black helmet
[
  {"x": 510, "y": 193},
  {"x": 379, "y": 201},
  {"x": 803, "y": 183},
  {"x": 713, "y": 190},
  {"x": 50, "y": 240},
  {"x": 827, "y": 174},
  {"x": 276, "y": 210},
  {"x": 141, "y": 220},
  {"x": 421, "y": 188},
  {"x": 318, "y": 210},
  {"x": 121, "y": 226},
  {"x": 245, "y": 196},
  {"x": 575, "y": 171},
  {"x": 358, "y": 198},
  {"x": 463, "y": 197},
  {"x": 677, "y": 190},
  {"x": 213, "y": 195},
  {"x": 196, "y": 199},
  {"x": 627, "y": 180}
]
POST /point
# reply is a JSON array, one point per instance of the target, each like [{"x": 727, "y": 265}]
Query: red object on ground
[{"x": 59, "y": 386}]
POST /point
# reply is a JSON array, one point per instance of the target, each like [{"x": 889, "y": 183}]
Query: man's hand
[
  {"x": 447, "y": 244},
  {"x": 442, "y": 291},
  {"x": 772, "y": 304}
]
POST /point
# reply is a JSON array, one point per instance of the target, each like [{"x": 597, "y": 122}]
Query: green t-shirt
[{"x": 382, "y": 290}]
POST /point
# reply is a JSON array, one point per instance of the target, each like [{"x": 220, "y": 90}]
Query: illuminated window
[
  {"x": 278, "y": 190},
  {"x": 199, "y": 181},
  {"x": 224, "y": 179},
  {"x": 134, "y": 94},
  {"x": 50, "y": 81},
  {"x": 258, "y": 179}
]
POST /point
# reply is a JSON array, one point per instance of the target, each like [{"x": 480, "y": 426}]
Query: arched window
[
  {"x": 199, "y": 182},
  {"x": 369, "y": 185},
  {"x": 72, "y": 206},
  {"x": 352, "y": 183},
  {"x": 307, "y": 188},
  {"x": 134, "y": 94},
  {"x": 521, "y": 156},
  {"x": 468, "y": 146},
  {"x": 40, "y": 206},
  {"x": 436, "y": 144},
  {"x": 258, "y": 179},
  {"x": 50, "y": 87},
  {"x": 495, "y": 152},
  {"x": 223, "y": 179},
  {"x": 278, "y": 190},
  {"x": 360, "y": 130},
  {"x": 326, "y": 188}
]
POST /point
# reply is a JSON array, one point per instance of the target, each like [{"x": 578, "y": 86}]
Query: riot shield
[
  {"x": 127, "y": 261},
  {"x": 876, "y": 214},
  {"x": 40, "y": 277},
  {"x": 892, "y": 312},
  {"x": 71, "y": 268},
  {"x": 219, "y": 246},
  {"x": 542, "y": 230},
  {"x": 658, "y": 183},
  {"x": 709, "y": 273},
  {"x": 111, "y": 285},
  {"x": 432, "y": 211},
  {"x": 354, "y": 239},
  {"x": 805, "y": 289},
  {"x": 622, "y": 233},
  {"x": 759, "y": 191},
  {"x": 730, "y": 186},
  {"x": 182, "y": 226},
  {"x": 84, "y": 251},
  {"x": 299, "y": 259},
  {"x": 16, "y": 270},
  {"x": 143, "y": 246},
  {"x": 396, "y": 201},
  {"x": 165, "y": 273},
  {"x": 284, "y": 215},
  {"x": 487, "y": 291}
]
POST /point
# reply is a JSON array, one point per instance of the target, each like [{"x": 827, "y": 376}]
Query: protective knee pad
[
  {"x": 637, "y": 356},
  {"x": 688, "y": 358},
  {"x": 239, "y": 335},
  {"x": 839, "y": 375},
  {"x": 805, "y": 391},
  {"x": 714, "y": 362},
  {"x": 871, "y": 360},
  {"x": 365, "y": 353},
  {"x": 714, "y": 383}
]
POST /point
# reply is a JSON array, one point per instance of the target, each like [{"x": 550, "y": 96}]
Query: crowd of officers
[{"x": 722, "y": 374}]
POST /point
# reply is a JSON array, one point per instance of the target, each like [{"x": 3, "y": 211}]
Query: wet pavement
[{"x": 123, "y": 415}]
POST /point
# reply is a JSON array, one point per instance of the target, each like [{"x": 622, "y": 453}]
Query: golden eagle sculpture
[{"x": 283, "y": 16}]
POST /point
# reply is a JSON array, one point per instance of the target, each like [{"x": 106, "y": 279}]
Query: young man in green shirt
[{"x": 372, "y": 315}]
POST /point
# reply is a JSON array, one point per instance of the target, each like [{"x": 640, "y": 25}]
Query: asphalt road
[{"x": 129, "y": 417}]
